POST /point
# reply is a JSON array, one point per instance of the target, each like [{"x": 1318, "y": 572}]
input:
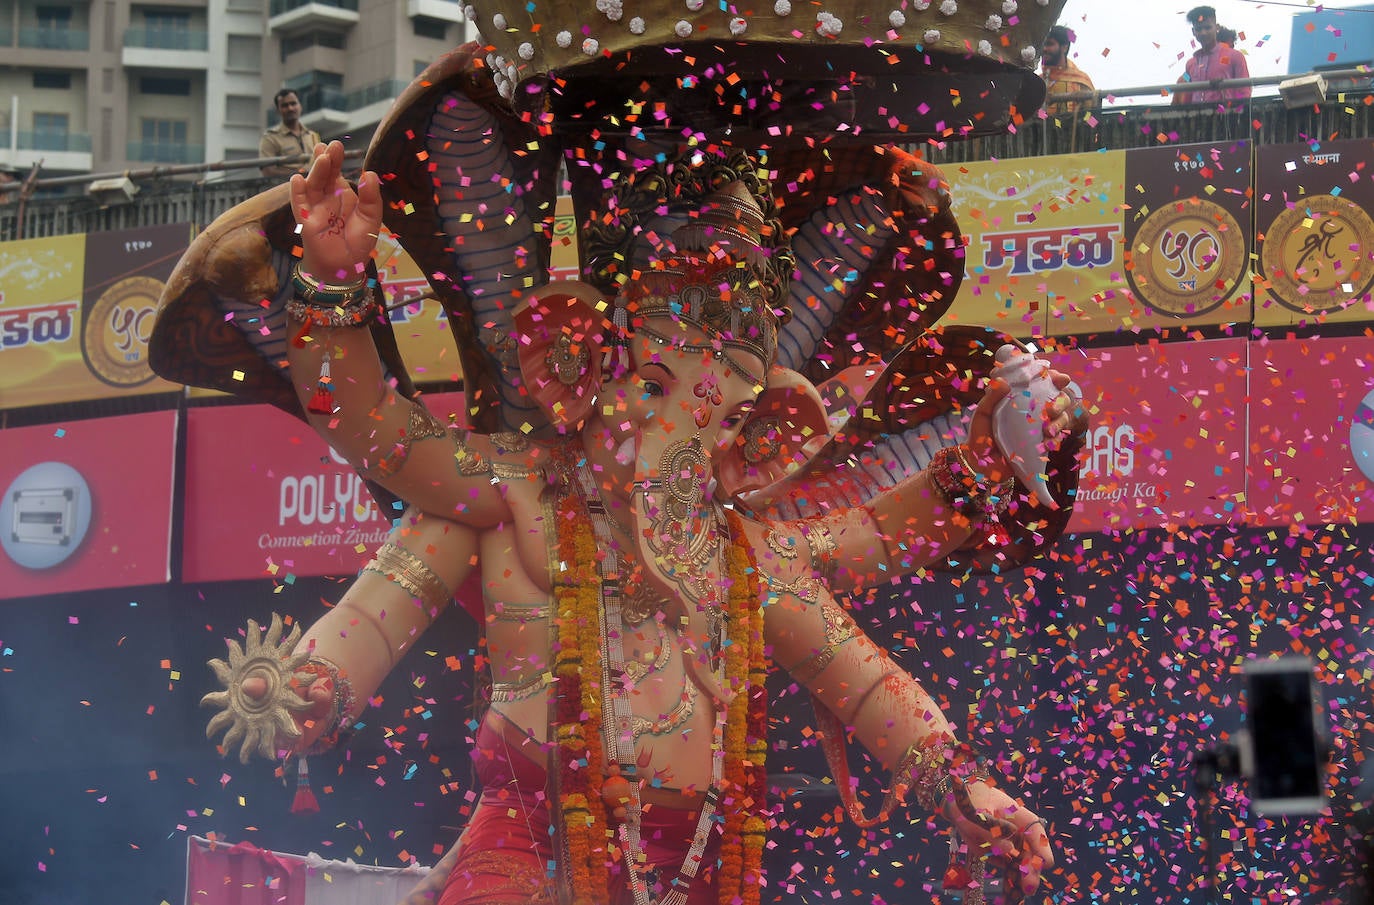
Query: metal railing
[
  {"x": 79, "y": 142},
  {"x": 164, "y": 152},
  {"x": 279, "y": 7},
  {"x": 162, "y": 198},
  {"x": 385, "y": 90},
  {"x": 1094, "y": 127},
  {"x": 166, "y": 38},
  {"x": 1264, "y": 120},
  {"x": 55, "y": 38}
]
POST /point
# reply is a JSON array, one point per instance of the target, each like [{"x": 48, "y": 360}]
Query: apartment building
[{"x": 110, "y": 85}]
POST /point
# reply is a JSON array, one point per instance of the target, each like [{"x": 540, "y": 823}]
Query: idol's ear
[
  {"x": 562, "y": 330},
  {"x": 785, "y": 428}
]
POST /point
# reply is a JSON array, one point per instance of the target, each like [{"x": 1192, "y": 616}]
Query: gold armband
[
  {"x": 822, "y": 544},
  {"x": 420, "y": 425},
  {"x": 406, "y": 569},
  {"x": 839, "y": 628}
]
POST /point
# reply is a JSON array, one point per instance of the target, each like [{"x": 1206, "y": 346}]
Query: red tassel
[
  {"x": 304, "y": 802},
  {"x": 302, "y": 335},
  {"x": 322, "y": 403}
]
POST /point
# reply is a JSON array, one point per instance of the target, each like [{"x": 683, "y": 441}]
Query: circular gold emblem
[
  {"x": 114, "y": 333},
  {"x": 1316, "y": 255},
  {"x": 1188, "y": 258}
]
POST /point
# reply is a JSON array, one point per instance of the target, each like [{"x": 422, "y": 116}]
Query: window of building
[
  {"x": 243, "y": 53},
  {"x": 163, "y": 141},
  {"x": 318, "y": 90},
  {"x": 296, "y": 43},
  {"x": 164, "y": 131},
  {"x": 53, "y": 17},
  {"x": 166, "y": 28},
  {"x": 47, "y": 78},
  {"x": 241, "y": 110},
  {"x": 50, "y": 131},
  {"x": 426, "y": 27},
  {"x": 150, "y": 84},
  {"x": 167, "y": 19},
  {"x": 54, "y": 26}
]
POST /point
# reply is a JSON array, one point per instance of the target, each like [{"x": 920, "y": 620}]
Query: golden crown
[{"x": 532, "y": 39}]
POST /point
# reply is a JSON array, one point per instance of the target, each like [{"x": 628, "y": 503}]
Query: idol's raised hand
[{"x": 338, "y": 225}]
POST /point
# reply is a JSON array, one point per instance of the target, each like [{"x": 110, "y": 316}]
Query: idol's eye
[
  {"x": 732, "y": 422},
  {"x": 652, "y": 388}
]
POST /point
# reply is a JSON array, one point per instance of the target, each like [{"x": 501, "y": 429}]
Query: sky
[{"x": 1136, "y": 43}]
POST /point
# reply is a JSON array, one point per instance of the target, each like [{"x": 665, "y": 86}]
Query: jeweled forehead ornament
[
  {"x": 721, "y": 299},
  {"x": 696, "y": 240}
]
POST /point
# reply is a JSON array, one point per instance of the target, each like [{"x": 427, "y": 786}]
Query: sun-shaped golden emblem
[{"x": 259, "y": 723}]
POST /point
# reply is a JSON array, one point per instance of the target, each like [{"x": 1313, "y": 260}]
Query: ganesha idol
[{"x": 672, "y": 473}]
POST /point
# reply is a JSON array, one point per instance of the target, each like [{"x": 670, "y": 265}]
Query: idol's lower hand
[
  {"x": 273, "y": 702},
  {"x": 1065, "y": 415},
  {"x": 987, "y": 457},
  {"x": 991, "y": 824},
  {"x": 311, "y": 723},
  {"x": 338, "y": 226}
]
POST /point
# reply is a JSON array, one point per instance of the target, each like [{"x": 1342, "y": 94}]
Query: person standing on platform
[
  {"x": 1061, "y": 75},
  {"x": 290, "y": 136},
  {"x": 1211, "y": 61}
]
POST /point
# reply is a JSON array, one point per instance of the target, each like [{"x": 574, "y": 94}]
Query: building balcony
[
  {"x": 68, "y": 152},
  {"x": 291, "y": 16},
  {"x": 163, "y": 48},
  {"x": 55, "y": 38},
  {"x": 324, "y": 109},
  {"x": 443, "y": 10},
  {"x": 164, "y": 152},
  {"x": 369, "y": 104},
  {"x": 332, "y": 111}
]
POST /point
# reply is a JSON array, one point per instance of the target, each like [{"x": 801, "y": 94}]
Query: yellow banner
[
  {"x": 1105, "y": 241},
  {"x": 40, "y": 321},
  {"x": 76, "y": 313},
  {"x": 1045, "y": 242}
]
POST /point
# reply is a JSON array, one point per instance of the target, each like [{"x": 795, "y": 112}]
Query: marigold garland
[
  {"x": 581, "y": 759},
  {"x": 747, "y": 729}
]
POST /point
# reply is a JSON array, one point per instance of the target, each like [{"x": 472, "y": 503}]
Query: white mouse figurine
[{"x": 1016, "y": 422}]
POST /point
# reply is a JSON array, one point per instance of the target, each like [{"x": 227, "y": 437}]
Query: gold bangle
[
  {"x": 317, "y": 286},
  {"x": 406, "y": 569}
]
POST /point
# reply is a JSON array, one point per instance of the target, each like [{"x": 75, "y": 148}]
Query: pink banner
[
  {"x": 87, "y": 504},
  {"x": 266, "y": 496},
  {"x": 1167, "y": 444},
  {"x": 1312, "y": 430}
]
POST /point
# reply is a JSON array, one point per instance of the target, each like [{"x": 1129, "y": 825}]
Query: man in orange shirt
[{"x": 1059, "y": 72}]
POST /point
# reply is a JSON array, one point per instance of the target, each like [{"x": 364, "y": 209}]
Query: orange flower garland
[
  {"x": 746, "y": 731},
  {"x": 578, "y": 730},
  {"x": 581, "y": 758}
]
